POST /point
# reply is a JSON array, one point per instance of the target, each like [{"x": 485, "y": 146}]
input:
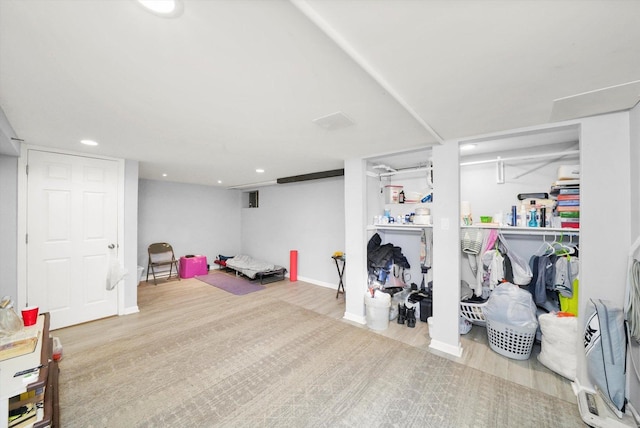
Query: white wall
[
  {"x": 634, "y": 123},
  {"x": 8, "y": 226},
  {"x": 194, "y": 219},
  {"x": 307, "y": 216},
  {"x": 130, "y": 297}
]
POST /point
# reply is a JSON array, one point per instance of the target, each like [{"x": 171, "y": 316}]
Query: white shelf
[
  {"x": 410, "y": 204},
  {"x": 400, "y": 227},
  {"x": 508, "y": 230},
  {"x": 518, "y": 230}
]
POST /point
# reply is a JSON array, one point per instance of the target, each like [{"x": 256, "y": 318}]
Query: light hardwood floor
[{"x": 476, "y": 350}]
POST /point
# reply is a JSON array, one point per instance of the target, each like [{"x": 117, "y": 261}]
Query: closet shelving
[
  {"x": 413, "y": 171},
  {"x": 399, "y": 227},
  {"x": 533, "y": 231},
  {"x": 533, "y": 160},
  {"x": 505, "y": 230}
]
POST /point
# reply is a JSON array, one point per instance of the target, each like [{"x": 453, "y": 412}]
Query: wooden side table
[{"x": 340, "y": 265}]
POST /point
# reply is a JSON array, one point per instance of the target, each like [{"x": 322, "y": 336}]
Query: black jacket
[{"x": 381, "y": 256}]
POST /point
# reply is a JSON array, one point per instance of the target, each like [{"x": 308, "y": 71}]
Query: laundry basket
[
  {"x": 511, "y": 341},
  {"x": 473, "y": 312}
]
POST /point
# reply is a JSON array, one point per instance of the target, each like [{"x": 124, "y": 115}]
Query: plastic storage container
[
  {"x": 392, "y": 194},
  {"x": 397, "y": 299},
  {"x": 57, "y": 349},
  {"x": 473, "y": 312},
  {"x": 511, "y": 341},
  {"x": 192, "y": 266},
  {"x": 377, "y": 310}
]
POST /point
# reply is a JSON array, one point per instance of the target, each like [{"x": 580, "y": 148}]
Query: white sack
[{"x": 558, "y": 346}]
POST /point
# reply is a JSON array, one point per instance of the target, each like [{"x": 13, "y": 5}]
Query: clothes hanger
[
  {"x": 556, "y": 244},
  {"x": 562, "y": 249},
  {"x": 573, "y": 248},
  {"x": 545, "y": 249},
  {"x": 570, "y": 247}
]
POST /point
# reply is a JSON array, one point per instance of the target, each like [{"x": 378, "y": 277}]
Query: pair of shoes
[
  {"x": 411, "y": 317},
  {"x": 402, "y": 313}
]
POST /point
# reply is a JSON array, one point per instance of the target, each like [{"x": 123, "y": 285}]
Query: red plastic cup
[{"x": 30, "y": 315}]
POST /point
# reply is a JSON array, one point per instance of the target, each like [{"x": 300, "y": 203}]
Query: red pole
[{"x": 293, "y": 265}]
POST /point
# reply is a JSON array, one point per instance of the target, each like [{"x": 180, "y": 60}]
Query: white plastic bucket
[{"x": 377, "y": 312}]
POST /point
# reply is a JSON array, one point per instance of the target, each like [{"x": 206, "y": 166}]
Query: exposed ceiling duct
[{"x": 312, "y": 176}]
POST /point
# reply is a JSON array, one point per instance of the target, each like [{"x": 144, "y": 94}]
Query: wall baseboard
[
  {"x": 456, "y": 351},
  {"x": 355, "y": 318},
  {"x": 130, "y": 310},
  {"x": 320, "y": 283}
]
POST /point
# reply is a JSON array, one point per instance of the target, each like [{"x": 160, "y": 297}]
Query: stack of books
[
  {"x": 23, "y": 408},
  {"x": 567, "y": 194}
]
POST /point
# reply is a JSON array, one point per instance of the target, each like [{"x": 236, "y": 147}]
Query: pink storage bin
[{"x": 192, "y": 266}]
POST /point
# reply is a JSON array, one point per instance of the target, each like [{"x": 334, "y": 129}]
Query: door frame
[{"x": 22, "y": 218}]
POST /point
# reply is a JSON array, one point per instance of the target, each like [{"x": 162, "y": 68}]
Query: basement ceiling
[{"x": 231, "y": 86}]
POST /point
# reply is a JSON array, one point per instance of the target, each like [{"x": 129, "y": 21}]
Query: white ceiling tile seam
[{"x": 337, "y": 38}]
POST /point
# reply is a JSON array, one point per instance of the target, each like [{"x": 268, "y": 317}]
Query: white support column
[
  {"x": 605, "y": 239},
  {"x": 446, "y": 250},
  {"x": 634, "y": 120},
  {"x": 355, "y": 274}
]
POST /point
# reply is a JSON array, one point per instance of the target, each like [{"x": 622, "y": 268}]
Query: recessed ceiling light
[
  {"x": 219, "y": 181},
  {"x": 164, "y": 175},
  {"x": 164, "y": 8},
  {"x": 89, "y": 142},
  {"x": 467, "y": 146},
  {"x": 259, "y": 170}
]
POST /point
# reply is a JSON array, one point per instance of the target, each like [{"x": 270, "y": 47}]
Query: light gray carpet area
[{"x": 265, "y": 363}]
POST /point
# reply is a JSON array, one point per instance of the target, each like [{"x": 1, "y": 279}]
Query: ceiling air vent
[{"x": 333, "y": 121}]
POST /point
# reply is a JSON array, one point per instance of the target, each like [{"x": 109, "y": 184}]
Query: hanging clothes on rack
[
  {"x": 555, "y": 275},
  {"x": 493, "y": 262},
  {"x": 426, "y": 249},
  {"x": 472, "y": 243},
  {"x": 566, "y": 270},
  {"x": 632, "y": 293},
  {"x": 543, "y": 271}
]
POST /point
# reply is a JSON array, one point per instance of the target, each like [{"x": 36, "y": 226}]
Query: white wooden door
[{"x": 71, "y": 222}]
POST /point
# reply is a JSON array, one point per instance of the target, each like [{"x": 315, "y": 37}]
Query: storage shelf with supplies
[
  {"x": 516, "y": 230},
  {"x": 399, "y": 227}
]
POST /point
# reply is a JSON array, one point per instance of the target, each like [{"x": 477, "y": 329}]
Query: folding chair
[{"x": 161, "y": 255}]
